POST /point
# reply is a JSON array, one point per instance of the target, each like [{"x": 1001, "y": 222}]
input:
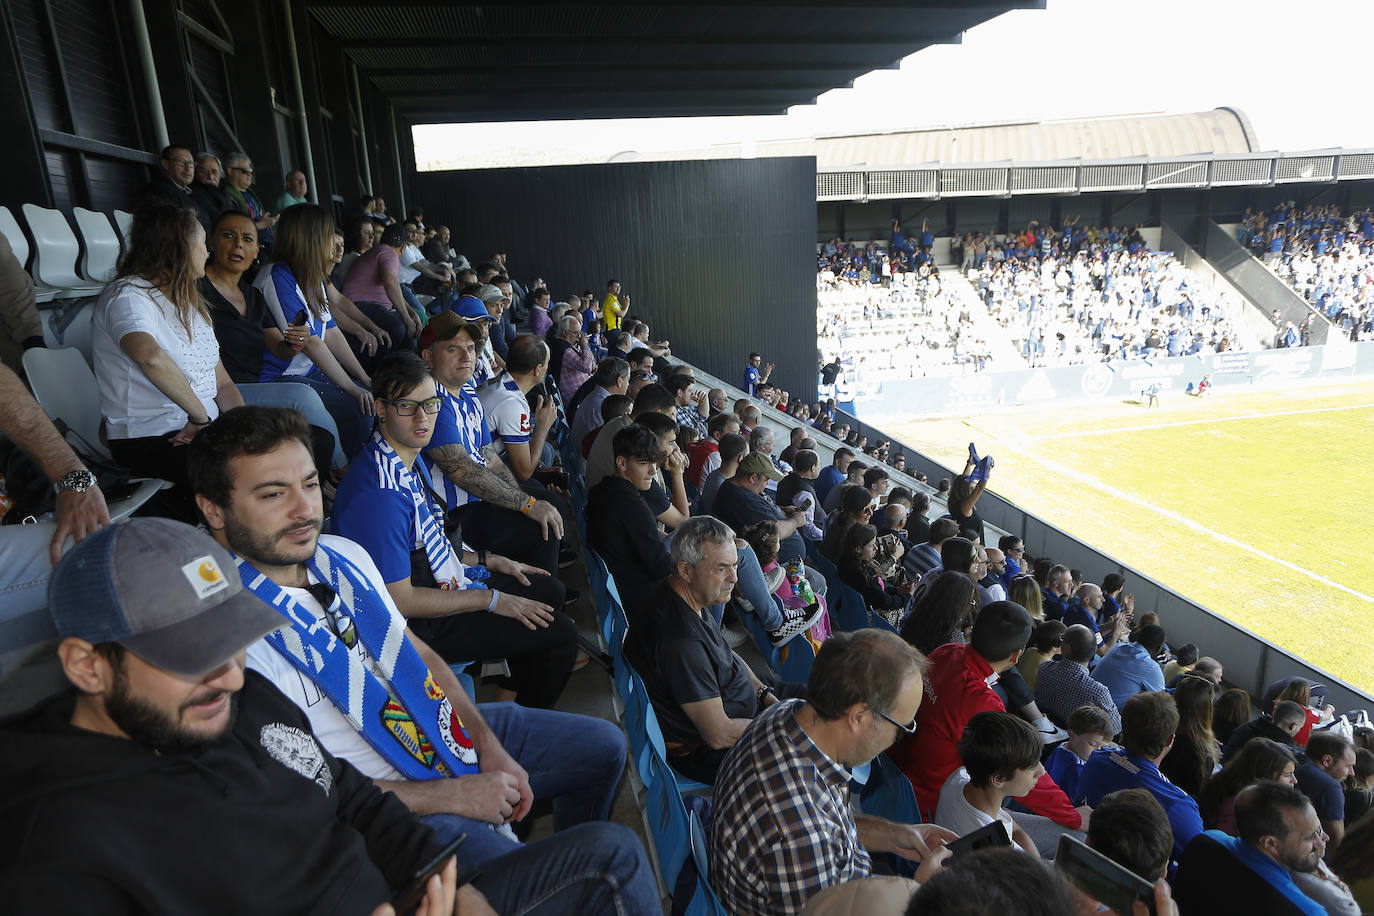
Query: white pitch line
[
  {"x": 1247, "y": 416},
  {"x": 1183, "y": 520}
]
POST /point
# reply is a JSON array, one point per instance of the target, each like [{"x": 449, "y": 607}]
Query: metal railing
[{"x": 1077, "y": 176}]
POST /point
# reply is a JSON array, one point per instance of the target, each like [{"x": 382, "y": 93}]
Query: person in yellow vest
[{"x": 614, "y": 305}]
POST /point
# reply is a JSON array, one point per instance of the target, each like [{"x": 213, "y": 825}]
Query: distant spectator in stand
[
  {"x": 917, "y": 523},
  {"x": 359, "y": 236},
  {"x": 1312, "y": 698},
  {"x": 156, "y": 359},
  {"x": 856, "y": 508},
  {"x": 1130, "y": 667},
  {"x": 853, "y": 474},
  {"x": 206, "y": 190},
  {"x": 1184, "y": 660},
  {"x": 1232, "y": 709},
  {"x": 1015, "y": 552},
  {"x": 373, "y": 286},
  {"x": 732, "y": 448},
  {"x": 942, "y": 613},
  {"x": 293, "y": 191},
  {"x": 794, "y": 441},
  {"x": 1058, "y": 588},
  {"x": 540, "y": 321},
  {"x": 573, "y": 355},
  {"x": 877, "y": 481},
  {"x": 238, "y": 184},
  {"x": 1280, "y": 727},
  {"x": 991, "y": 583},
  {"x": 172, "y": 185},
  {"x": 741, "y": 502},
  {"x": 1114, "y": 598},
  {"x": 1026, "y": 592},
  {"x": 1323, "y": 766},
  {"x": 612, "y": 376},
  {"x": 1209, "y": 668},
  {"x": 754, "y": 376},
  {"x": 1064, "y": 683},
  {"x": 798, "y": 489},
  {"x": 1260, "y": 759},
  {"x": 614, "y": 305},
  {"x": 834, "y": 474},
  {"x": 1046, "y": 641},
  {"x": 857, "y": 568},
  {"x": 1280, "y": 841},
  {"x": 1195, "y": 752},
  {"x": 965, "y": 490},
  {"x": 703, "y": 457},
  {"x": 689, "y": 403},
  {"x": 1089, "y": 729},
  {"x": 927, "y": 556}
]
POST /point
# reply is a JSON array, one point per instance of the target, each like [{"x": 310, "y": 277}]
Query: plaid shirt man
[
  {"x": 782, "y": 829},
  {"x": 1063, "y": 685},
  {"x": 688, "y": 416}
]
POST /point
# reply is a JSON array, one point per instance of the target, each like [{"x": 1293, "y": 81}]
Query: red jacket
[
  {"x": 697, "y": 453},
  {"x": 959, "y": 690}
]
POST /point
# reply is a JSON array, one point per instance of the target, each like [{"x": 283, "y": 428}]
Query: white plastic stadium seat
[
  {"x": 19, "y": 243},
  {"x": 65, "y": 388},
  {"x": 55, "y": 253},
  {"x": 102, "y": 245},
  {"x": 124, "y": 220}
]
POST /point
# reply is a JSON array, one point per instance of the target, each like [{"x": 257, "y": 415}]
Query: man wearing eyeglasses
[
  {"x": 238, "y": 182},
  {"x": 782, "y": 828},
  {"x": 178, "y": 170}
]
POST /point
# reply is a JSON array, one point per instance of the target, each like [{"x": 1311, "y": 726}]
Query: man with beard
[
  {"x": 379, "y": 697},
  {"x": 169, "y": 775}
]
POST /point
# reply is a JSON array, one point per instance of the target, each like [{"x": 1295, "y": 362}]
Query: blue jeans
[
  {"x": 354, "y": 427},
  {"x": 297, "y": 397},
  {"x": 26, "y": 627},
  {"x": 576, "y": 761},
  {"x": 588, "y": 870}
]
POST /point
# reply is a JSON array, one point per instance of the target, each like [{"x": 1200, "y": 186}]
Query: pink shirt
[{"x": 364, "y": 281}]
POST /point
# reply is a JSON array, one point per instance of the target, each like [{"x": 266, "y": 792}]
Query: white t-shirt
[
  {"x": 409, "y": 255},
  {"x": 955, "y": 813},
  {"x": 508, "y": 412},
  {"x": 330, "y": 725},
  {"x": 132, "y": 405}
]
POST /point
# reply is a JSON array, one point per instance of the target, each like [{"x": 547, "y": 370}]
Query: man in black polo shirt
[
  {"x": 703, "y": 693},
  {"x": 741, "y": 502}
]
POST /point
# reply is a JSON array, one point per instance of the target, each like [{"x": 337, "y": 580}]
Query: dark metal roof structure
[{"x": 442, "y": 62}]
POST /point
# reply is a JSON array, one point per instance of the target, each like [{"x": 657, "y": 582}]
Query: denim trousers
[
  {"x": 575, "y": 761},
  {"x": 353, "y": 426},
  {"x": 297, "y": 397}
]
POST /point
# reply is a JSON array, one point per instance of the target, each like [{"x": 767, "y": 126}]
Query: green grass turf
[{"x": 1285, "y": 474}]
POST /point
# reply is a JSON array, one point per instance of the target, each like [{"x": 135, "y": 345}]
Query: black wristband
[{"x": 205, "y": 422}]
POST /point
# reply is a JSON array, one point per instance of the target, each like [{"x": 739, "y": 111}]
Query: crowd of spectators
[
  {"x": 380, "y": 469},
  {"x": 1326, "y": 255},
  {"x": 1081, "y": 295}
]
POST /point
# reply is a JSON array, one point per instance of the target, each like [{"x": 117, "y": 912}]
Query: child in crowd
[
  {"x": 1001, "y": 755},
  {"x": 1089, "y": 729},
  {"x": 788, "y": 584}
]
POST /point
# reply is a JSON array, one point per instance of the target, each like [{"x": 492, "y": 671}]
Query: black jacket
[
  {"x": 622, "y": 529},
  {"x": 264, "y": 822},
  {"x": 163, "y": 190}
]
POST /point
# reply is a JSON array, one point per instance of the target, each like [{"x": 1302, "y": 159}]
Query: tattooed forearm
[{"x": 459, "y": 467}]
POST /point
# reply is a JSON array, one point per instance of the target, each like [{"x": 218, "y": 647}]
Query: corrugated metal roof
[
  {"x": 440, "y": 61},
  {"x": 1221, "y": 131}
]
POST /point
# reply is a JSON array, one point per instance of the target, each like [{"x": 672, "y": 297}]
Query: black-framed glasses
[
  {"x": 909, "y": 729},
  {"x": 407, "y": 407}
]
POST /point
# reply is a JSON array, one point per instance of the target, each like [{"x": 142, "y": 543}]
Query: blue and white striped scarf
[
  {"x": 413, "y": 726},
  {"x": 392, "y": 474}
]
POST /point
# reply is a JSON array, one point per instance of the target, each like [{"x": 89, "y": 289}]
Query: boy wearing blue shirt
[{"x": 1089, "y": 729}]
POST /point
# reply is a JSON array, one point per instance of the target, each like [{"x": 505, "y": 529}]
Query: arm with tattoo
[{"x": 485, "y": 483}]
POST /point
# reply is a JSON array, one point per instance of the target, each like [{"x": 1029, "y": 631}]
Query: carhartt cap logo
[{"x": 205, "y": 576}]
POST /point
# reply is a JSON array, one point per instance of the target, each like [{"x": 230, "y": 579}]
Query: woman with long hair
[
  {"x": 858, "y": 568},
  {"x": 298, "y": 303},
  {"x": 1025, "y": 591},
  {"x": 856, "y": 508},
  {"x": 1194, "y": 754},
  {"x": 1230, "y": 710},
  {"x": 155, "y": 354},
  {"x": 940, "y": 614},
  {"x": 1259, "y": 759},
  {"x": 964, "y": 491}
]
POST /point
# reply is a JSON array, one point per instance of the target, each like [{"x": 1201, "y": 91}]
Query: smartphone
[
  {"x": 406, "y": 902},
  {"x": 300, "y": 321},
  {"x": 989, "y": 837},
  {"x": 1100, "y": 878}
]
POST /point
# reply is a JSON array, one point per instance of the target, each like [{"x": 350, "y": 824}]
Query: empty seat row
[{"x": 63, "y": 266}]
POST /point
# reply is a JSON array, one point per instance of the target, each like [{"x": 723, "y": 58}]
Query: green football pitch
[{"x": 1257, "y": 505}]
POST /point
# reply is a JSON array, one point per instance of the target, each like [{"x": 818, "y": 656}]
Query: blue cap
[
  {"x": 167, "y": 592},
  {"x": 471, "y": 308}
]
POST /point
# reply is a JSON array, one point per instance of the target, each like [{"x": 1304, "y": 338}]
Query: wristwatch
[{"x": 78, "y": 481}]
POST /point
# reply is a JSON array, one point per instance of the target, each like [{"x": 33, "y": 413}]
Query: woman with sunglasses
[
  {"x": 856, "y": 508},
  {"x": 297, "y": 294}
]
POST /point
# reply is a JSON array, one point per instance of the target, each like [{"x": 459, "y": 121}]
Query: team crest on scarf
[{"x": 408, "y": 735}]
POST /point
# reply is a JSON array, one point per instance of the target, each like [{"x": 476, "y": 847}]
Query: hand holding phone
[
  {"x": 405, "y": 902},
  {"x": 1102, "y": 879}
]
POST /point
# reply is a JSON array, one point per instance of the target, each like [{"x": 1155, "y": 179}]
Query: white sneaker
[{"x": 795, "y": 621}]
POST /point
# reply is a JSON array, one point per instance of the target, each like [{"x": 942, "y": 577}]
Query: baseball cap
[
  {"x": 759, "y": 463},
  {"x": 443, "y": 326},
  {"x": 471, "y": 308},
  {"x": 165, "y": 591},
  {"x": 489, "y": 294}
]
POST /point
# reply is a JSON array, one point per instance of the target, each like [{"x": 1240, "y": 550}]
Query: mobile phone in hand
[
  {"x": 1100, "y": 878},
  {"x": 406, "y": 902}
]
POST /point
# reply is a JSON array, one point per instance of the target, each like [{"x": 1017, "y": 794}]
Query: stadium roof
[
  {"x": 1221, "y": 131},
  {"x": 441, "y": 62}
]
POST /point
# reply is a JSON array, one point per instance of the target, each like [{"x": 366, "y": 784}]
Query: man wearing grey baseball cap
[{"x": 169, "y": 775}]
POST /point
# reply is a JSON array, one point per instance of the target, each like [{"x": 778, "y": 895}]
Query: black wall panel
[{"x": 717, "y": 255}]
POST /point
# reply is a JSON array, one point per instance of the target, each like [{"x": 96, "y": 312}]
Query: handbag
[{"x": 31, "y": 494}]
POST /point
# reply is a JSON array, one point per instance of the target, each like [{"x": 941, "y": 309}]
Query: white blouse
[{"x": 131, "y": 404}]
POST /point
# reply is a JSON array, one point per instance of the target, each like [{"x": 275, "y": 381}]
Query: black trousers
[
  {"x": 508, "y": 533},
  {"x": 540, "y": 660},
  {"x": 156, "y": 456}
]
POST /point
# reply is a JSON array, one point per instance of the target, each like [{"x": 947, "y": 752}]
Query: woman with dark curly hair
[{"x": 941, "y": 613}]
